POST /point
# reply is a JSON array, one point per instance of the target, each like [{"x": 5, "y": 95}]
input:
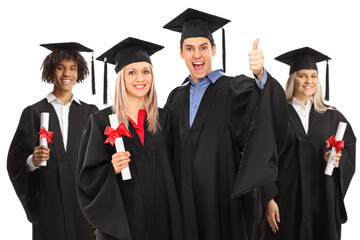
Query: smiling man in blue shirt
[
  {"x": 218, "y": 124},
  {"x": 197, "y": 90}
]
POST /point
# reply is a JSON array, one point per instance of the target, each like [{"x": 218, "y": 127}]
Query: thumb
[{"x": 255, "y": 44}]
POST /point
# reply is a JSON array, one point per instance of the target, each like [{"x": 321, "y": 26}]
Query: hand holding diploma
[
  {"x": 115, "y": 132},
  {"x": 256, "y": 60},
  {"x": 120, "y": 160},
  {"x": 42, "y": 153},
  {"x": 336, "y": 157},
  {"x": 336, "y": 143}
]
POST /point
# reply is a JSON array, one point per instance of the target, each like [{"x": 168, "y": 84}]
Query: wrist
[{"x": 31, "y": 164}]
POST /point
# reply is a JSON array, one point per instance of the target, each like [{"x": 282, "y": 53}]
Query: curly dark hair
[{"x": 53, "y": 59}]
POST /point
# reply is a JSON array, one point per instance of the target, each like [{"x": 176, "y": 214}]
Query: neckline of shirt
[
  {"x": 298, "y": 103},
  {"x": 213, "y": 77},
  {"x": 51, "y": 97}
]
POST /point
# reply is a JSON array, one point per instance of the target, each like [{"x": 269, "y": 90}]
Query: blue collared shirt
[{"x": 198, "y": 89}]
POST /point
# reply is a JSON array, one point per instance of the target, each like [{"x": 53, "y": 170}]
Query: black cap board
[
  {"x": 194, "y": 23},
  {"x": 302, "y": 58},
  {"x": 128, "y": 51},
  {"x": 70, "y": 45},
  {"x": 77, "y": 47},
  {"x": 305, "y": 58}
]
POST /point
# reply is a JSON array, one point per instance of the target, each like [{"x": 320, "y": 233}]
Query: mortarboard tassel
[
  {"x": 105, "y": 81},
  {"x": 93, "y": 75},
  {"x": 327, "y": 93},
  {"x": 223, "y": 49}
]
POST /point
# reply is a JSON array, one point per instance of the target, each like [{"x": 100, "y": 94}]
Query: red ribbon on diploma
[
  {"x": 114, "y": 134},
  {"x": 46, "y": 134},
  {"x": 332, "y": 142}
]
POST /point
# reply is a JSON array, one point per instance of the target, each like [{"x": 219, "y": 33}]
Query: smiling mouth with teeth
[{"x": 198, "y": 65}]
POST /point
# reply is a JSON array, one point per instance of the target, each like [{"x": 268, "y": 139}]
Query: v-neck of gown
[{"x": 139, "y": 126}]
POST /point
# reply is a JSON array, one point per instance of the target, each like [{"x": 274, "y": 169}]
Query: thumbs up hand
[{"x": 256, "y": 60}]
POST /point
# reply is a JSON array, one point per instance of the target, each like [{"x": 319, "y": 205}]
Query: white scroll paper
[
  {"x": 338, "y": 136},
  {"x": 119, "y": 145},
  {"x": 44, "y": 122}
]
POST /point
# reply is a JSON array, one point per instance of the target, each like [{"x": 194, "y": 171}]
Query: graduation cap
[
  {"x": 305, "y": 58},
  {"x": 194, "y": 23},
  {"x": 128, "y": 51},
  {"x": 77, "y": 47}
]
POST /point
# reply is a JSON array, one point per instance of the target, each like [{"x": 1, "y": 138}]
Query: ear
[
  {"x": 213, "y": 50},
  {"x": 181, "y": 52}
]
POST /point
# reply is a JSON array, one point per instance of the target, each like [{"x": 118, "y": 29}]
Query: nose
[
  {"x": 66, "y": 72},
  {"x": 140, "y": 78},
  {"x": 197, "y": 53}
]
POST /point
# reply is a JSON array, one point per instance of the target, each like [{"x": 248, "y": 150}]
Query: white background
[{"x": 331, "y": 27}]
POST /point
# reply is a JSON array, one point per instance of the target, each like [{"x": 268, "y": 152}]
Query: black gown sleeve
[
  {"x": 347, "y": 162},
  {"x": 98, "y": 190},
  {"x": 262, "y": 130},
  {"x": 345, "y": 172},
  {"x": 268, "y": 191},
  {"x": 26, "y": 184}
]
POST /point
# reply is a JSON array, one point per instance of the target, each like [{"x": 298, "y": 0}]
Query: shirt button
[
  {"x": 197, "y": 88},
  {"x": 195, "y": 106}
]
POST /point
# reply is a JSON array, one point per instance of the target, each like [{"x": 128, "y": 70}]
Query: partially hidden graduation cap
[
  {"x": 128, "y": 51},
  {"x": 77, "y": 47},
  {"x": 194, "y": 23},
  {"x": 305, "y": 58}
]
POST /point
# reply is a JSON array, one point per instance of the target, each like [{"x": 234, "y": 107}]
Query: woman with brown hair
[{"x": 306, "y": 203}]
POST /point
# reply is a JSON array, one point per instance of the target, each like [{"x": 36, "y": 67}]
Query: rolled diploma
[
  {"x": 44, "y": 122},
  {"x": 119, "y": 145},
  {"x": 338, "y": 136}
]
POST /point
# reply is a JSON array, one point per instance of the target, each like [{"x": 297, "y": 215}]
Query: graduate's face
[
  {"x": 306, "y": 83},
  {"x": 197, "y": 53},
  {"x": 65, "y": 75},
  {"x": 138, "y": 79}
]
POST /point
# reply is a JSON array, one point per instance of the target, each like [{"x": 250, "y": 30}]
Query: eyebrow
[
  {"x": 64, "y": 65},
  {"x": 189, "y": 45},
  {"x": 147, "y": 67},
  {"x": 300, "y": 73}
]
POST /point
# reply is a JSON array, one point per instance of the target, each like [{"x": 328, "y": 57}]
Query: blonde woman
[
  {"x": 146, "y": 206},
  {"x": 305, "y": 203}
]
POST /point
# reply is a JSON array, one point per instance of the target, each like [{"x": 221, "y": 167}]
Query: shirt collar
[
  {"x": 140, "y": 120},
  {"x": 213, "y": 76},
  {"x": 51, "y": 97},
  {"x": 298, "y": 103}
]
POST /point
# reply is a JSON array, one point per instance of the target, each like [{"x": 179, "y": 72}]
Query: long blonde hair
[
  {"x": 150, "y": 103},
  {"x": 318, "y": 96}
]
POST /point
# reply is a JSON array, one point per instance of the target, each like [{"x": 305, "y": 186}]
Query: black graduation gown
[
  {"x": 311, "y": 204},
  {"x": 143, "y": 208},
  {"x": 48, "y": 194},
  {"x": 236, "y": 124}
]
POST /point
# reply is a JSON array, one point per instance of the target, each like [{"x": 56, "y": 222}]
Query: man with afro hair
[{"x": 48, "y": 193}]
